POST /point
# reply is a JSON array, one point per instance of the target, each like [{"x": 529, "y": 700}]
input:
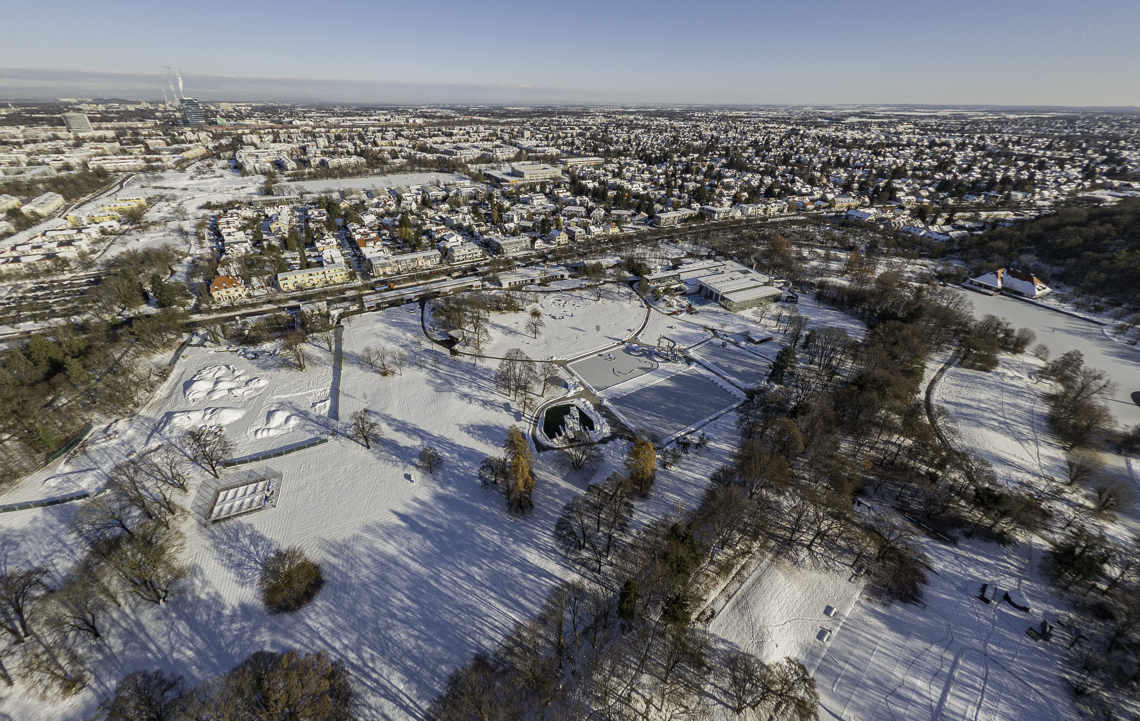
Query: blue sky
[{"x": 1009, "y": 52}]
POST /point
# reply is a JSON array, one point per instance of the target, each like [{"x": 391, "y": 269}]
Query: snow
[
  {"x": 1064, "y": 333},
  {"x": 217, "y": 382},
  {"x": 745, "y": 368},
  {"x": 955, "y": 658},
  {"x": 782, "y": 608},
  {"x": 952, "y": 657},
  {"x": 277, "y": 422},
  {"x": 572, "y": 320},
  {"x": 673, "y": 404},
  {"x": 1002, "y": 417},
  {"x": 421, "y": 571}
]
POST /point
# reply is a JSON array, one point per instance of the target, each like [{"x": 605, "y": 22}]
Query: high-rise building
[
  {"x": 77, "y": 122},
  {"x": 192, "y": 112}
]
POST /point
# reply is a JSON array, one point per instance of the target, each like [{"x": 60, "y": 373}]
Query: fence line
[
  {"x": 275, "y": 454},
  {"x": 45, "y": 503}
]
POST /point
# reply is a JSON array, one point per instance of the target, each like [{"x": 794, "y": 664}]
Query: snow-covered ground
[
  {"x": 784, "y": 609},
  {"x": 1001, "y": 417},
  {"x": 1063, "y": 333},
  {"x": 374, "y": 181},
  {"x": 955, "y": 658},
  {"x": 421, "y": 572},
  {"x": 574, "y": 323}
]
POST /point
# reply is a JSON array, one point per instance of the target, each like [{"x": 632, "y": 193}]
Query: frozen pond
[
  {"x": 742, "y": 366},
  {"x": 673, "y": 404},
  {"x": 605, "y": 370},
  {"x": 1063, "y": 333}
]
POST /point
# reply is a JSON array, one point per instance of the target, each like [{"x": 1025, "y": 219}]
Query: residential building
[
  {"x": 1013, "y": 282},
  {"x": 313, "y": 277},
  {"x": 226, "y": 289},
  {"x": 513, "y": 245},
  {"x": 44, "y": 205},
  {"x": 673, "y": 217},
  {"x": 383, "y": 264},
  {"x": 464, "y": 252}
]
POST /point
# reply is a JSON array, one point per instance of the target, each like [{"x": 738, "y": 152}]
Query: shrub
[{"x": 289, "y": 581}]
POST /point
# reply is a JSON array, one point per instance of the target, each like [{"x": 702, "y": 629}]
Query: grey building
[
  {"x": 192, "y": 112},
  {"x": 77, "y": 123}
]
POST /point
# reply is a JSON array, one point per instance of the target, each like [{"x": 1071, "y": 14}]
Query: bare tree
[
  {"x": 135, "y": 482},
  {"x": 741, "y": 681},
  {"x": 534, "y": 323},
  {"x": 398, "y": 359},
  {"x": 590, "y": 527},
  {"x": 20, "y": 592},
  {"x": 790, "y": 691},
  {"x": 730, "y": 518},
  {"x": 430, "y": 460},
  {"x": 370, "y": 357},
  {"x": 208, "y": 447},
  {"x": 167, "y": 466},
  {"x": 516, "y": 373},
  {"x": 104, "y": 516},
  {"x": 54, "y": 667},
  {"x": 150, "y": 695},
  {"x": 77, "y": 609},
  {"x": 363, "y": 429},
  {"x": 829, "y": 349},
  {"x": 289, "y": 580},
  {"x": 148, "y": 565},
  {"x": 550, "y": 374},
  {"x": 293, "y": 346},
  {"x": 580, "y": 455},
  {"x": 1081, "y": 466},
  {"x": 1111, "y": 495}
]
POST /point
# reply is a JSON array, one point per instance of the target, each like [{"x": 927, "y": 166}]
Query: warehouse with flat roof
[{"x": 740, "y": 290}]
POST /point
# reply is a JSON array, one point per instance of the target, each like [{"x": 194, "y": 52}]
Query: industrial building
[
  {"x": 77, "y": 123},
  {"x": 739, "y": 290}
]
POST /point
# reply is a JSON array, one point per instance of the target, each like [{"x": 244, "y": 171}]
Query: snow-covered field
[
  {"x": 955, "y": 658},
  {"x": 373, "y": 181},
  {"x": 574, "y": 323},
  {"x": 421, "y": 572},
  {"x": 1001, "y": 417},
  {"x": 1063, "y": 333}
]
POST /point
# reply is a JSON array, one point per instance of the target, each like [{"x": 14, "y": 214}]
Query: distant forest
[{"x": 1095, "y": 249}]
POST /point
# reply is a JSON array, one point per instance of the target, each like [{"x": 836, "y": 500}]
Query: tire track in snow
[{"x": 909, "y": 666}]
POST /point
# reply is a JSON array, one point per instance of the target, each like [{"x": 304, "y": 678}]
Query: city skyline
[{"x": 1025, "y": 53}]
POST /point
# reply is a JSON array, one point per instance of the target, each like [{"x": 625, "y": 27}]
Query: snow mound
[
  {"x": 179, "y": 421},
  {"x": 276, "y": 423},
  {"x": 217, "y": 382}
]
